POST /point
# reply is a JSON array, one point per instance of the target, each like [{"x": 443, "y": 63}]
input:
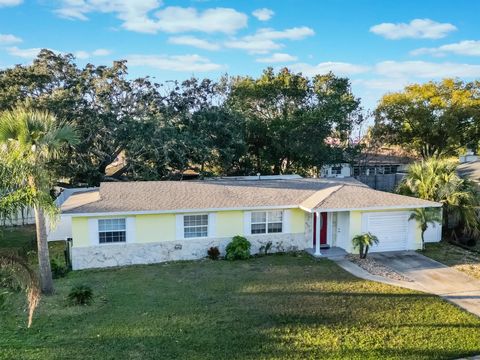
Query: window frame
[
  {"x": 336, "y": 170},
  {"x": 195, "y": 226},
  {"x": 124, "y": 231},
  {"x": 267, "y": 222}
]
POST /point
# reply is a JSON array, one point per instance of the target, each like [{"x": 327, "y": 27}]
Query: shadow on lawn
[{"x": 158, "y": 346}]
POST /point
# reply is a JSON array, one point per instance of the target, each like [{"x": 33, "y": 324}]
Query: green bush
[
  {"x": 238, "y": 248},
  {"x": 59, "y": 269},
  {"x": 80, "y": 295},
  {"x": 3, "y": 299}
]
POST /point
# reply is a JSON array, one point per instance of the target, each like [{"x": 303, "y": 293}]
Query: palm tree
[
  {"x": 15, "y": 270},
  {"x": 437, "y": 180},
  {"x": 363, "y": 243},
  {"x": 425, "y": 216},
  {"x": 34, "y": 139}
]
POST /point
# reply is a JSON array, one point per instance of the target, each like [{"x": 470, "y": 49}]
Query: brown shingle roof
[
  {"x": 470, "y": 170},
  {"x": 151, "y": 196},
  {"x": 362, "y": 197}
]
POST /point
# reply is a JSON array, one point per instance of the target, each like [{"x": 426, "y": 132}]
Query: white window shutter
[
  {"x": 93, "y": 231},
  {"x": 179, "y": 232},
  {"x": 287, "y": 224},
  {"x": 212, "y": 225},
  {"x": 247, "y": 220},
  {"x": 130, "y": 227}
]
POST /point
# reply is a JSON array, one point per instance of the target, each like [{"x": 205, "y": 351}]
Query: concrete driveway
[{"x": 431, "y": 276}]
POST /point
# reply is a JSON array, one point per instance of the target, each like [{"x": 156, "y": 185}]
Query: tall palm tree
[
  {"x": 35, "y": 139},
  {"x": 424, "y": 217}
]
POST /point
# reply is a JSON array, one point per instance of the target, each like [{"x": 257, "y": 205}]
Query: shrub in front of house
[
  {"x": 59, "y": 269},
  {"x": 363, "y": 243},
  {"x": 213, "y": 253},
  {"x": 238, "y": 248},
  {"x": 80, "y": 295}
]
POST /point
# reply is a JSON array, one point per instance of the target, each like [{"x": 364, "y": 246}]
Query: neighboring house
[
  {"x": 469, "y": 167},
  {"x": 369, "y": 164},
  {"x": 382, "y": 170},
  {"x": 126, "y": 223}
]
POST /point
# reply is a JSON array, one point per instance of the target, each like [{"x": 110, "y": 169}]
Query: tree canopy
[
  {"x": 276, "y": 123},
  {"x": 434, "y": 119}
]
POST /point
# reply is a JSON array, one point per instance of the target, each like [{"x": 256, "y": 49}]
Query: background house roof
[
  {"x": 470, "y": 170},
  {"x": 151, "y": 196}
]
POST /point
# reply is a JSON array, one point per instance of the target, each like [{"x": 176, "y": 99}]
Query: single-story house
[{"x": 124, "y": 223}]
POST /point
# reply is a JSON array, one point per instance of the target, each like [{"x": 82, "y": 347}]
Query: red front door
[{"x": 323, "y": 229}]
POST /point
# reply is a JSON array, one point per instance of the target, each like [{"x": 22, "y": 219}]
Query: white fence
[
  {"x": 433, "y": 233},
  {"x": 24, "y": 216}
]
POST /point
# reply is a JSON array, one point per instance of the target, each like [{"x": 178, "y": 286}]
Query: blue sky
[{"x": 380, "y": 45}]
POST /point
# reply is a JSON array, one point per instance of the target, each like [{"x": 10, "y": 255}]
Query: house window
[
  {"x": 336, "y": 170},
  {"x": 263, "y": 222},
  {"x": 195, "y": 226},
  {"x": 112, "y": 231}
]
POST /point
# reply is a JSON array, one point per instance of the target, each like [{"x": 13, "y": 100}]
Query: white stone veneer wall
[{"x": 108, "y": 255}]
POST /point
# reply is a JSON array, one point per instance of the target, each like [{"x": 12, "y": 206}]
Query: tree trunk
[
  {"x": 423, "y": 240},
  {"x": 46, "y": 281},
  {"x": 366, "y": 252}
]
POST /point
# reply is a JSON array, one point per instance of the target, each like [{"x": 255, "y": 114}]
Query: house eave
[
  {"x": 177, "y": 211},
  {"x": 395, "y": 207}
]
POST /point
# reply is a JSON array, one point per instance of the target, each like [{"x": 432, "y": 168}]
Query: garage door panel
[{"x": 390, "y": 228}]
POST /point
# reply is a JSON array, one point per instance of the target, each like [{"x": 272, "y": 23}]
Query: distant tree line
[{"x": 276, "y": 123}]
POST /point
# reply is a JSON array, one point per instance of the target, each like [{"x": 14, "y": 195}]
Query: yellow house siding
[
  {"x": 80, "y": 232},
  {"x": 162, "y": 227},
  {"x": 155, "y": 228},
  {"x": 297, "y": 220},
  {"x": 229, "y": 223}
]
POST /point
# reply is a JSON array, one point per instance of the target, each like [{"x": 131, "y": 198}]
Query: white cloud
[
  {"x": 465, "y": 47},
  {"x": 137, "y": 16},
  {"x": 265, "y": 40},
  {"x": 101, "y": 52},
  {"x": 338, "y": 68},
  {"x": 193, "y": 41},
  {"x": 188, "y": 63},
  {"x": 81, "y": 54},
  {"x": 263, "y": 14},
  {"x": 29, "y": 53},
  {"x": 277, "y": 58},
  {"x": 9, "y": 39},
  {"x": 426, "y": 70},
  {"x": 416, "y": 29},
  {"x": 383, "y": 84},
  {"x": 5, "y": 3},
  {"x": 177, "y": 19}
]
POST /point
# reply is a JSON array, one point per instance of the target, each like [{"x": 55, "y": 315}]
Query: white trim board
[
  {"x": 180, "y": 211},
  {"x": 374, "y": 208}
]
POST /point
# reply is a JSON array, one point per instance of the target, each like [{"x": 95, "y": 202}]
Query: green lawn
[
  {"x": 454, "y": 256},
  {"x": 274, "y": 307}
]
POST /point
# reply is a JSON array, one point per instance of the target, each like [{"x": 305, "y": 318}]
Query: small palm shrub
[
  {"x": 238, "y": 248},
  {"x": 213, "y": 253},
  {"x": 80, "y": 295},
  {"x": 363, "y": 243}
]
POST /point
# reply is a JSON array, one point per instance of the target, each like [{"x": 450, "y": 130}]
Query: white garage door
[{"x": 391, "y": 228}]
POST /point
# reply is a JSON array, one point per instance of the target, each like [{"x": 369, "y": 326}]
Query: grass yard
[
  {"x": 454, "y": 256},
  {"x": 274, "y": 307}
]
